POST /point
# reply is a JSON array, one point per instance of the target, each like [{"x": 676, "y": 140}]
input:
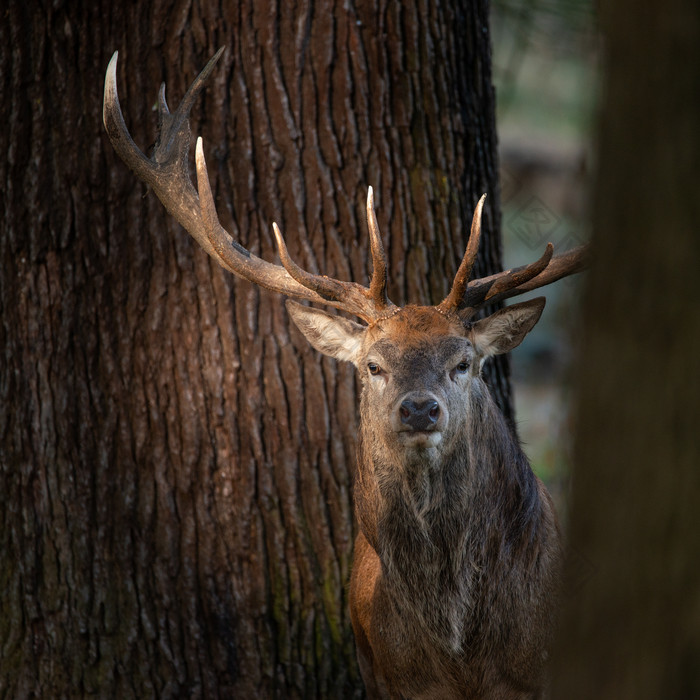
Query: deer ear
[
  {"x": 505, "y": 330},
  {"x": 332, "y": 335}
]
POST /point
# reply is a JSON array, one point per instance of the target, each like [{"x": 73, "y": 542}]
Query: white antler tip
[
  {"x": 199, "y": 153},
  {"x": 479, "y": 207},
  {"x": 281, "y": 245},
  {"x": 111, "y": 75}
]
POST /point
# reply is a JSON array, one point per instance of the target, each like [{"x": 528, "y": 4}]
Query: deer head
[{"x": 417, "y": 363}]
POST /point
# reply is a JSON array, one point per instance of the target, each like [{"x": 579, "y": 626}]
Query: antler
[
  {"x": 167, "y": 173},
  {"x": 468, "y": 297}
]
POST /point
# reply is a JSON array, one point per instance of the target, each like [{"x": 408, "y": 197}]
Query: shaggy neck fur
[{"x": 445, "y": 530}]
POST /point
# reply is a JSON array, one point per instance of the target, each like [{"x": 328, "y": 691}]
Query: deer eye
[
  {"x": 462, "y": 367},
  {"x": 374, "y": 368}
]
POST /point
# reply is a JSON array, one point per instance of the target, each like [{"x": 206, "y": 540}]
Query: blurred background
[{"x": 546, "y": 74}]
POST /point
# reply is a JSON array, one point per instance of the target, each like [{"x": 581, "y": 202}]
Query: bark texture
[
  {"x": 175, "y": 461},
  {"x": 631, "y": 628}
]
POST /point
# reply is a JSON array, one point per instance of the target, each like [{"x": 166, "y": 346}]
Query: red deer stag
[{"x": 456, "y": 562}]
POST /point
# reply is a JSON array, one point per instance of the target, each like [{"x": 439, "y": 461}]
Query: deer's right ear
[
  {"x": 505, "y": 330},
  {"x": 332, "y": 335}
]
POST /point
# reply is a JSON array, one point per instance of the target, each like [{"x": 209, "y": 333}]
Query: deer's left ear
[{"x": 505, "y": 330}]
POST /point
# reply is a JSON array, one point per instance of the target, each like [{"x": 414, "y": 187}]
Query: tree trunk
[
  {"x": 175, "y": 460},
  {"x": 631, "y": 627}
]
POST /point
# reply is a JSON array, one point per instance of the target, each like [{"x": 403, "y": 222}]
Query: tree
[
  {"x": 175, "y": 460},
  {"x": 632, "y": 629}
]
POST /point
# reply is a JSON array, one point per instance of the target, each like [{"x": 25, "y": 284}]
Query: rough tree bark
[
  {"x": 631, "y": 628},
  {"x": 175, "y": 462}
]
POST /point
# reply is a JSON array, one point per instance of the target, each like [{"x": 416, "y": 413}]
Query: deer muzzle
[
  {"x": 419, "y": 415},
  {"x": 419, "y": 420}
]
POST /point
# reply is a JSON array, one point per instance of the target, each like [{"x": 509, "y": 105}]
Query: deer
[{"x": 457, "y": 558}]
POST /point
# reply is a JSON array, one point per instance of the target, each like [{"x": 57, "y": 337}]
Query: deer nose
[{"x": 420, "y": 415}]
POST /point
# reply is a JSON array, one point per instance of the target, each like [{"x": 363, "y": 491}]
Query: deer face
[
  {"x": 417, "y": 367},
  {"x": 415, "y": 372}
]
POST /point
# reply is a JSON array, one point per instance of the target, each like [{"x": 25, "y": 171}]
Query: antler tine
[
  {"x": 171, "y": 125},
  {"x": 379, "y": 275},
  {"x": 216, "y": 235},
  {"x": 115, "y": 126},
  {"x": 453, "y": 300},
  {"x": 326, "y": 287},
  {"x": 514, "y": 278}
]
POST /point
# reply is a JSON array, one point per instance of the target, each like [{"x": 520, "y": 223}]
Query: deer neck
[{"x": 445, "y": 531}]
